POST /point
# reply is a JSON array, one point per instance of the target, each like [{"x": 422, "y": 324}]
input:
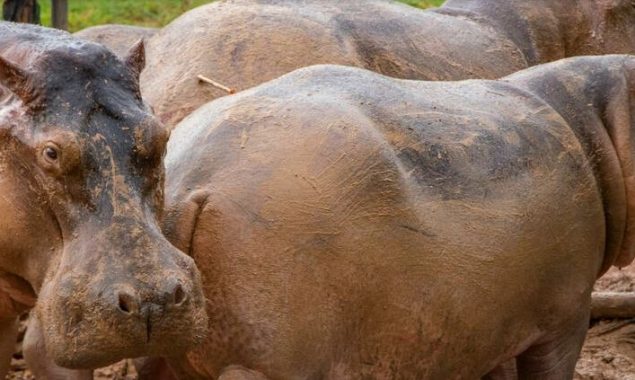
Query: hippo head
[{"x": 115, "y": 287}]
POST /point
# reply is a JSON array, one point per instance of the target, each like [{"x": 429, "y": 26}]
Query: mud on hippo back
[
  {"x": 242, "y": 43},
  {"x": 81, "y": 184}
]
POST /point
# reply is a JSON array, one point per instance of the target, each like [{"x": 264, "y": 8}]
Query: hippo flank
[
  {"x": 242, "y": 43},
  {"x": 351, "y": 225},
  {"x": 81, "y": 184}
]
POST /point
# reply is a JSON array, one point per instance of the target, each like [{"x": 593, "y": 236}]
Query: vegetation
[{"x": 85, "y": 13}]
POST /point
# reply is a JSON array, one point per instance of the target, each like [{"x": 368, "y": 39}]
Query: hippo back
[{"x": 241, "y": 43}]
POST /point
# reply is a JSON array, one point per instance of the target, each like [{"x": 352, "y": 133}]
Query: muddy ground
[{"x": 608, "y": 354}]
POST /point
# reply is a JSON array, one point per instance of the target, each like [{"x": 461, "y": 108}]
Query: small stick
[{"x": 215, "y": 84}]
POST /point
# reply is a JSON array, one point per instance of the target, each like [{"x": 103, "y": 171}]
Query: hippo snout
[{"x": 104, "y": 305}]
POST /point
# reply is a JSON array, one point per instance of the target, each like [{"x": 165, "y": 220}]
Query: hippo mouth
[
  {"x": 99, "y": 309},
  {"x": 93, "y": 337}
]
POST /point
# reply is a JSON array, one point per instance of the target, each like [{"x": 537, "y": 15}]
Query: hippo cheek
[{"x": 102, "y": 309}]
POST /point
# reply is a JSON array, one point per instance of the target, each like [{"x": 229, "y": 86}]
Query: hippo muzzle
[{"x": 120, "y": 292}]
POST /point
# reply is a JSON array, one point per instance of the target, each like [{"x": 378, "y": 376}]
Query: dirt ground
[
  {"x": 609, "y": 350},
  {"x": 608, "y": 353}
]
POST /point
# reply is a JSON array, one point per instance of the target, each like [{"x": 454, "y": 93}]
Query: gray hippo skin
[
  {"x": 118, "y": 38},
  {"x": 349, "y": 225},
  {"x": 81, "y": 184},
  {"x": 242, "y": 43}
]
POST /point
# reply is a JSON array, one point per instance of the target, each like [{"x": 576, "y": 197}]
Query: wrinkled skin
[
  {"x": 81, "y": 184},
  {"x": 349, "y": 225},
  {"x": 118, "y": 38},
  {"x": 242, "y": 43}
]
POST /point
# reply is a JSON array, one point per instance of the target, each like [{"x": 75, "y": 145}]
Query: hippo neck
[
  {"x": 543, "y": 32},
  {"x": 593, "y": 98}
]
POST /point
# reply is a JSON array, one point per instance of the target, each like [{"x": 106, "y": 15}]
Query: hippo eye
[{"x": 51, "y": 153}]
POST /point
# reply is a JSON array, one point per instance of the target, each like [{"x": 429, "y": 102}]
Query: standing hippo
[
  {"x": 242, "y": 43},
  {"x": 118, "y": 38},
  {"x": 349, "y": 225},
  {"x": 81, "y": 184}
]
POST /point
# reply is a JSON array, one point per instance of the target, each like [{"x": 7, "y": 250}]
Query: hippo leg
[
  {"x": 505, "y": 371},
  {"x": 38, "y": 361},
  {"x": 555, "y": 358},
  {"x": 153, "y": 369},
  {"x": 235, "y": 372},
  {"x": 8, "y": 337}
]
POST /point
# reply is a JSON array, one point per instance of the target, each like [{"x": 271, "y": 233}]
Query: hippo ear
[
  {"x": 136, "y": 58},
  {"x": 17, "y": 80}
]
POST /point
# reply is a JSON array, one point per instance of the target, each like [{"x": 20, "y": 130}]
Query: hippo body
[
  {"x": 81, "y": 184},
  {"x": 118, "y": 38},
  {"x": 349, "y": 225},
  {"x": 242, "y": 43}
]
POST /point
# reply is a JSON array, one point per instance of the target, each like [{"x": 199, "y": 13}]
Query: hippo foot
[
  {"x": 505, "y": 371},
  {"x": 153, "y": 369},
  {"x": 555, "y": 358}
]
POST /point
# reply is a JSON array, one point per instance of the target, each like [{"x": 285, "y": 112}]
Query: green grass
[
  {"x": 423, "y": 3},
  {"x": 85, "y": 13}
]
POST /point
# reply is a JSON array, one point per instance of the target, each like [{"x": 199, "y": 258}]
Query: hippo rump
[
  {"x": 242, "y": 43},
  {"x": 118, "y": 38},
  {"x": 81, "y": 184},
  {"x": 350, "y": 225}
]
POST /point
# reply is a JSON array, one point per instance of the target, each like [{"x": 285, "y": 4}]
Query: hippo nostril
[
  {"x": 127, "y": 303},
  {"x": 179, "y": 295}
]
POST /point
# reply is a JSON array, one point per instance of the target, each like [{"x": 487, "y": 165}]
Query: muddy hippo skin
[
  {"x": 118, "y": 38},
  {"x": 242, "y": 43},
  {"x": 81, "y": 184},
  {"x": 349, "y": 225}
]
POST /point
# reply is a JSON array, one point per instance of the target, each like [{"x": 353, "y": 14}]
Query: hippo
[
  {"x": 242, "y": 43},
  {"x": 351, "y": 225},
  {"x": 81, "y": 184},
  {"x": 118, "y": 38}
]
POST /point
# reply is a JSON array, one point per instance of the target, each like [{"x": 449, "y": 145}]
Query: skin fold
[
  {"x": 242, "y": 43},
  {"x": 349, "y": 225},
  {"x": 81, "y": 193}
]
